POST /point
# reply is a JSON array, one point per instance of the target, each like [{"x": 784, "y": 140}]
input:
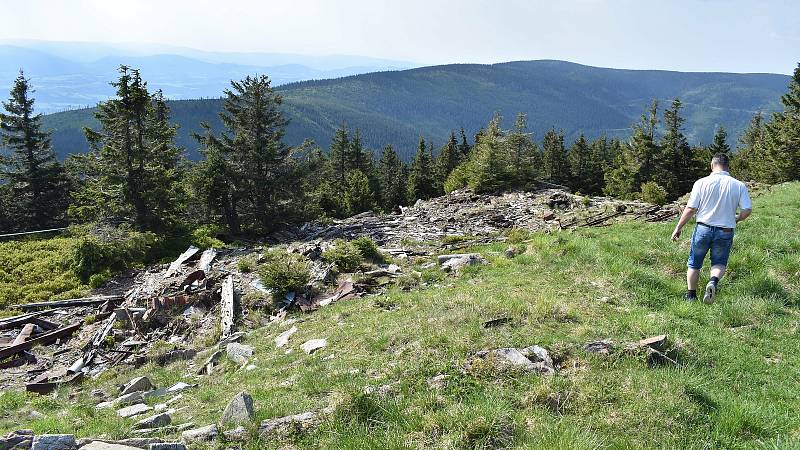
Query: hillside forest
[{"x": 249, "y": 181}]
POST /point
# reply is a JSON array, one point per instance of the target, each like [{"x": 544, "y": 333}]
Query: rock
[
  {"x": 101, "y": 445},
  {"x": 237, "y": 434},
  {"x": 384, "y": 390},
  {"x": 438, "y": 382},
  {"x": 35, "y": 415},
  {"x": 140, "y": 384},
  {"x": 158, "y": 421},
  {"x": 602, "y": 347},
  {"x": 54, "y": 442},
  {"x": 207, "y": 433},
  {"x": 457, "y": 262},
  {"x": 283, "y": 338},
  {"x": 20, "y": 439},
  {"x": 134, "y": 410},
  {"x": 239, "y": 409},
  {"x": 140, "y": 442},
  {"x": 532, "y": 359},
  {"x": 313, "y": 345},
  {"x": 239, "y": 353},
  {"x": 656, "y": 342},
  {"x": 510, "y": 252},
  {"x": 167, "y": 446},
  {"x": 284, "y": 425},
  {"x": 179, "y": 386}
]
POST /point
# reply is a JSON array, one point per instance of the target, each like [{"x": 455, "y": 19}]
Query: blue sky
[{"x": 700, "y": 35}]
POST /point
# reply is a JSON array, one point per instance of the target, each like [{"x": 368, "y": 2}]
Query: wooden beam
[
  {"x": 14, "y": 322},
  {"x": 185, "y": 256},
  {"x": 86, "y": 301},
  {"x": 43, "y": 339},
  {"x": 227, "y": 316},
  {"x": 24, "y": 335}
]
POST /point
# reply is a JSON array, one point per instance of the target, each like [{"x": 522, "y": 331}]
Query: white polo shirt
[{"x": 716, "y": 198}]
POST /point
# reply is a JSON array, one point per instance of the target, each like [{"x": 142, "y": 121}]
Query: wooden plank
[
  {"x": 86, "y": 301},
  {"x": 14, "y": 322},
  {"x": 45, "y": 324},
  {"x": 45, "y": 338},
  {"x": 206, "y": 259},
  {"x": 227, "y": 316},
  {"x": 176, "y": 265},
  {"x": 24, "y": 335}
]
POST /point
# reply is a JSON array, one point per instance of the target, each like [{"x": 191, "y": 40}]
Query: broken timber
[
  {"x": 87, "y": 301},
  {"x": 45, "y": 338},
  {"x": 206, "y": 259},
  {"x": 185, "y": 256},
  {"x": 228, "y": 307}
]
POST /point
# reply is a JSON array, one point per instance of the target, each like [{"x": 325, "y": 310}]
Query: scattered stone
[
  {"x": 20, "y": 439},
  {"x": 239, "y": 409},
  {"x": 35, "y": 415},
  {"x": 655, "y": 342},
  {"x": 140, "y": 384},
  {"x": 313, "y": 345},
  {"x": 167, "y": 446},
  {"x": 283, "y": 338},
  {"x": 202, "y": 434},
  {"x": 54, "y": 442},
  {"x": 179, "y": 386},
  {"x": 239, "y": 353},
  {"x": 140, "y": 442},
  {"x": 454, "y": 263},
  {"x": 102, "y": 445},
  {"x": 237, "y": 434},
  {"x": 384, "y": 390},
  {"x": 602, "y": 347},
  {"x": 134, "y": 410},
  {"x": 532, "y": 359},
  {"x": 158, "y": 421},
  {"x": 284, "y": 425},
  {"x": 510, "y": 252},
  {"x": 438, "y": 382}
]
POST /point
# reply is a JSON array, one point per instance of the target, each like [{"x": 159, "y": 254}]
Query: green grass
[{"x": 736, "y": 386}]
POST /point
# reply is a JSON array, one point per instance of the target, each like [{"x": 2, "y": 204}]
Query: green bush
[
  {"x": 369, "y": 249},
  {"x": 284, "y": 272},
  {"x": 109, "y": 248},
  {"x": 654, "y": 193},
  {"x": 246, "y": 264},
  {"x": 345, "y": 255},
  {"x": 205, "y": 237}
]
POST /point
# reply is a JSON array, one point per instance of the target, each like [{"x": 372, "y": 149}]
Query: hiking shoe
[
  {"x": 711, "y": 292},
  {"x": 689, "y": 297}
]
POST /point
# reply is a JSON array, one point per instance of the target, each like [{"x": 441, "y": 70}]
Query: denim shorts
[{"x": 707, "y": 238}]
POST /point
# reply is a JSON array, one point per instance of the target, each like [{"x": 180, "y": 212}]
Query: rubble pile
[{"x": 464, "y": 213}]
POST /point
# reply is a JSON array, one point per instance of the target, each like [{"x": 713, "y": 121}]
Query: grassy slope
[{"x": 736, "y": 387}]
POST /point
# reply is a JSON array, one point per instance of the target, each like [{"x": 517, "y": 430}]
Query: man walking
[{"x": 714, "y": 199}]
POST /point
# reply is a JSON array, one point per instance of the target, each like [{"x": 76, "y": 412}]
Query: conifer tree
[
  {"x": 392, "y": 179},
  {"x": 748, "y": 161},
  {"x": 357, "y": 156},
  {"x": 720, "y": 144},
  {"x": 132, "y": 168},
  {"x": 339, "y": 155},
  {"x": 525, "y": 156},
  {"x": 257, "y": 161},
  {"x": 35, "y": 185},
  {"x": 449, "y": 157},
  {"x": 358, "y": 197},
  {"x": 676, "y": 169},
  {"x": 555, "y": 162},
  {"x": 586, "y": 171},
  {"x": 421, "y": 178},
  {"x": 782, "y": 138},
  {"x": 464, "y": 146},
  {"x": 489, "y": 169}
]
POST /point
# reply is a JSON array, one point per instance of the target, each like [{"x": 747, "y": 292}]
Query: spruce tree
[
  {"x": 585, "y": 169},
  {"x": 258, "y": 164},
  {"x": 464, "y": 146},
  {"x": 421, "y": 178},
  {"x": 357, "y": 156},
  {"x": 525, "y": 156},
  {"x": 490, "y": 166},
  {"x": 358, "y": 197},
  {"x": 555, "y": 162},
  {"x": 339, "y": 155},
  {"x": 31, "y": 175},
  {"x": 449, "y": 157},
  {"x": 748, "y": 161},
  {"x": 132, "y": 168},
  {"x": 392, "y": 179},
  {"x": 720, "y": 143},
  {"x": 676, "y": 167},
  {"x": 782, "y": 138}
]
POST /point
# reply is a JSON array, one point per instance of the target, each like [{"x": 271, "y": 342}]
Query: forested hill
[{"x": 400, "y": 106}]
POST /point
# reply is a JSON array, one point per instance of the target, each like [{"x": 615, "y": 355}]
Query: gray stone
[
  {"x": 283, "y": 338},
  {"x": 237, "y": 434},
  {"x": 540, "y": 358},
  {"x": 239, "y": 353},
  {"x": 206, "y": 433},
  {"x": 458, "y": 262},
  {"x": 438, "y": 382},
  {"x": 532, "y": 359},
  {"x": 140, "y": 384},
  {"x": 140, "y": 442},
  {"x": 134, "y": 410},
  {"x": 54, "y": 442},
  {"x": 167, "y": 446},
  {"x": 283, "y": 425},
  {"x": 157, "y": 421},
  {"x": 313, "y": 345},
  {"x": 101, "y": 445},
  {"x": 20, "y": 439},
  {"x": 239, "y": 409}
]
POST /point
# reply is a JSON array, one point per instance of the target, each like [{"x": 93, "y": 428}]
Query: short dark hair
[{"x": 722, "y": 160}]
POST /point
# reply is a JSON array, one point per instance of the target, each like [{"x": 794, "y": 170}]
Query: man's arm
[
  {"x": 743, "y": 214},
  {"x": 688, "y": 212}
]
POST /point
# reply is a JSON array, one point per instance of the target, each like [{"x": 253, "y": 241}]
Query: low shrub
[
  {"x": 246, "y": 264},
  {"x": 369, "y": 249},
  {"x": 284, "y": 272},
  {"x": 345, "y": 255},
  {"x": 654, "y": 193},
  {"x": 108, "y": 248}
]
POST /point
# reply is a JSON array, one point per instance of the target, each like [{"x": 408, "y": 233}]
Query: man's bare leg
[
  {"x": 711, "y": 288},
  {"x": 692, "y": 278},
  {"x": 718, "y": 271}
]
